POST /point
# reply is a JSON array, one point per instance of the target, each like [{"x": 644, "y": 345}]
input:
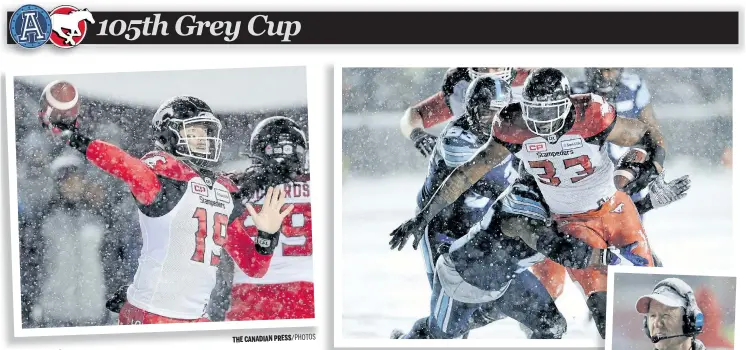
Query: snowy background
[
  {"x": 79, "y": 234},
  {"x": 715, "y": 296},
  {"x": 384, "y": 289}
]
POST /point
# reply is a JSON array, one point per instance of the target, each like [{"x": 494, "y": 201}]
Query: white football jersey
[
  {"x": 574, "y": 171},
  {"x": 574, "y": 176},
  {"x": 292, "y": 260},
  {"x": 181, "y": 250}
]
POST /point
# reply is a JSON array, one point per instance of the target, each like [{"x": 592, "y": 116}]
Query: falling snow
[
  {"x": 383, "y": 289},
  {"x": 79, "y": 233}
]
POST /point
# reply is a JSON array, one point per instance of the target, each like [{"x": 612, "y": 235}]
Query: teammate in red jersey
[
  {"x": 561, "y": 141},
  {"x": 278, "y": 149},
  {"x": 449, "y": 102},
  {"x": 187, "y": 212}
]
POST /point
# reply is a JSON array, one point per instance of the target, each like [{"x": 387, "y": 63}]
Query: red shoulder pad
[
  {"x": 166, "y": 165},
  {"x": 593, "y": 115},
  {"x": 511, "y": 131},
  {"x": 228, "y": 183},
  {"x": 520, "y": 76}
]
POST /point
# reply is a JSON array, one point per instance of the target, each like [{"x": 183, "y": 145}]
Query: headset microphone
[{"x": 657, "y": 338}]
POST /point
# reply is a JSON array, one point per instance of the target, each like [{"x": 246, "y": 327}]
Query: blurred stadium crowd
[{"x": 78, "y": 227}]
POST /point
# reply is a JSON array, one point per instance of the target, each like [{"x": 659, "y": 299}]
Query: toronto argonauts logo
[{"x": 30, "y": 26}]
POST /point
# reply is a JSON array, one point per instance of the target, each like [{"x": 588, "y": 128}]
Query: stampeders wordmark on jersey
[{"x": 292, "y": 259}]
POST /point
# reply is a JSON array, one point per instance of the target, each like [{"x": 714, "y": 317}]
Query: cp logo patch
[
  {"x": 30, "y": 26},
  {"x": 69, "y": 25}
]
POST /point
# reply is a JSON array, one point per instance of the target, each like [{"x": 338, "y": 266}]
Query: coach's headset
[{"x": 694, "y": 319}]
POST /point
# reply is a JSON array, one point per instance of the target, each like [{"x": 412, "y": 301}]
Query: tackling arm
[
  {"x": 464, "y": 176},
  {"x": 524, "y": 215},
  {"x": 566, "y": 250}
]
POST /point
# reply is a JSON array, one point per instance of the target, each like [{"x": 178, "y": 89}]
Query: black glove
[
  {"x": 117, "y": 300},
  {"x": 423, "y": 141},
  {"x": 645, "y": 173},
  {"x": 400, "y": 236}
]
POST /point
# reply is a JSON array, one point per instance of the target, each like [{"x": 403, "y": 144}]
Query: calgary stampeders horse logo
[{"x": 69, "y": 25}]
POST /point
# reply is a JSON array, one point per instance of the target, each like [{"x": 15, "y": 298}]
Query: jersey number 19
[{"x": 219, "y": 232}]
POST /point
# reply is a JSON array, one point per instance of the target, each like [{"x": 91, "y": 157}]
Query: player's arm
[
  {"x": 642, "y": 101},
  {"x": 565, "y": 250},
  {"x": 464, "y": 176},
  {"x": 421, "y": 116},
  {"x": 432, "y": 111},
  {"x": 141, "y": 179},
  {"x": 253, "y": 257},
  {"x": 630, "y": 132},
  {"x": 524, "y": 215},
  {"x": 460, "y": 180}
]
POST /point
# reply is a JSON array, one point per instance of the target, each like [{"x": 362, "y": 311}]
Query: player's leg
[
  {"x": 625, "y": 231},
  {"x": 449, "y": 318},
  {"x": 636, "y": 197},
  {"x": 551, "y": 275},
  {"x": 591, "y": 280},
  {"x": 429, "y": 253},
  {"x": 528, "y": 302}
]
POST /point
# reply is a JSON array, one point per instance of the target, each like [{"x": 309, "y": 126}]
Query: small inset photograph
[{"x": 665, "y": 310}]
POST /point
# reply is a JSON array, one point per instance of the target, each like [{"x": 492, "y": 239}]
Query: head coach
[{"x": 672, "y": 318}]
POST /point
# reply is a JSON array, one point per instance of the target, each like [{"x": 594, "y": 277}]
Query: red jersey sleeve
[
  {"x": 141, "y": 179},
  {"x": 240, "y": 247},
  {"x": 433, "y": 110}
]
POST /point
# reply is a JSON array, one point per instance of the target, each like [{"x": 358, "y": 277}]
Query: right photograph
[{"x": 489, "y": 203}]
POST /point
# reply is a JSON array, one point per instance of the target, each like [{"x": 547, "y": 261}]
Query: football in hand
[
  {"x": 629, "y": 167},
  {"x": 59, "y": 103}
]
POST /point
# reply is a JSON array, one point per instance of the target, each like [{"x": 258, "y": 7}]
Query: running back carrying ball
[
  {"x": 630, "y": 168},
  {"x": 59, "y": 105}
]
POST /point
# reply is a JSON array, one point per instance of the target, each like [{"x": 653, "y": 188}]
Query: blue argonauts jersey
[
  {"x": 456, "y": 145},
  {"x": 488, "y": 259},
  {"x": 632, "y": 96}
]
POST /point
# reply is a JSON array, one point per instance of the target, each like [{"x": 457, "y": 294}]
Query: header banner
[{"x": 68, "y": 26}]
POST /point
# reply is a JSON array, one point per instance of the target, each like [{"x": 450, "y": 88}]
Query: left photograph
[{"x": 160, "y": 197}]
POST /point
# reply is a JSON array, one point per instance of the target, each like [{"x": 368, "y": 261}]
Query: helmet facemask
[
  {"x": 198, "y": 139},
  {"x": 486, "y": 115},
  {"x": 505, "y": 73},
  {"x": 545, "y": 118},
  {"x": 284, "y": 159}
]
